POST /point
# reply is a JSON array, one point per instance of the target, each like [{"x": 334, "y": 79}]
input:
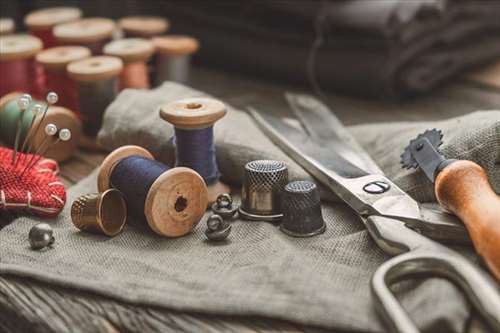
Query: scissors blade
[{"x": 323, "y": 126}]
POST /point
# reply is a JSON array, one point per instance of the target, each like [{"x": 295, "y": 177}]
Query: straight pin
[
  {"x": 64, "y": 135},
  {"x": 37, "y": 109},
  {"x": 50, "y": 131},
  {"x": 51, "y": 100},
  {"x": 23, "y": 102}
]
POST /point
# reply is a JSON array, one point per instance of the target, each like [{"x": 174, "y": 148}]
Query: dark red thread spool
[
  {"x": 41, "y": 22},
  {"x": 54, "y": 62},
  {"x": 18, "y": 70},
  {"x": 7, "y": 26},
  {"x": 134, "y": 52},
  {"x": 93, "y": 33},
  {"x": 143, "y": 26}
]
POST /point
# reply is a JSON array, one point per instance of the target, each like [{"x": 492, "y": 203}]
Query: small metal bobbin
[
  {"x": 217, "y": 229},
  {"x": 263, "y": 185},
  {"x": 223, "y": 206}
]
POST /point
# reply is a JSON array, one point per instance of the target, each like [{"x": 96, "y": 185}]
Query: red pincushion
[{"x": 37, "y": 191}]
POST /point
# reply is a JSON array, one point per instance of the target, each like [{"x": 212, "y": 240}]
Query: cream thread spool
[
  {"x": 93, "y": 33},
  {"x": 97, "y": 85},
  {"x": 41, "y": 22},
  {"x": 135, "y": 53},
  {"x": 7, "y": 26},
  {"x": 143, "y": 26},
  {"x": 172, "y": 202},
  {"x": 191, "y": 117},
  {"x": 173, "y": 57}
]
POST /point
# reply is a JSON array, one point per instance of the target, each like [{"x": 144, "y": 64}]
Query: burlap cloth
[{"x": 322, "y": 280}]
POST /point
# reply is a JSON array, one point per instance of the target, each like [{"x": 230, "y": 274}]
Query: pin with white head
[
  {"x": 23, "y": 103},
  {"x": 50, "y": 131},
  {"x": 51, "y": 99}
]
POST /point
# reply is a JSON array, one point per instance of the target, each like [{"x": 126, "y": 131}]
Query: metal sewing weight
[
  {"x": 224, "y": 207},
  {"x": 217, "y": 229}
]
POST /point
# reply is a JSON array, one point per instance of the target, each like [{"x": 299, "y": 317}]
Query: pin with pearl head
[
  {"x": 193, "y": 120},
  {"x": 23, "y": 104},
  {"x": 170, "y": 200}
]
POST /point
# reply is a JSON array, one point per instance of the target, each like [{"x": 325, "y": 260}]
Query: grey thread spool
[
  {"x": 97, "y": 85},
  {"x": 262, "y": 190},
  {"x": 173, "y": 58},
  {"x": 301, "y": 205}
]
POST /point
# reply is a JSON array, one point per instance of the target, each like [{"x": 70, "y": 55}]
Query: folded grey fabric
[{"x": 133, "y": 119}]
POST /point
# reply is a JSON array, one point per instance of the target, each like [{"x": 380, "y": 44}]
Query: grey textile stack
[{"x": 260, "y": 271}]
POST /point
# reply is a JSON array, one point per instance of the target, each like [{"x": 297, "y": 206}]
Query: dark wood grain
[{"x": 30, "y": 306}]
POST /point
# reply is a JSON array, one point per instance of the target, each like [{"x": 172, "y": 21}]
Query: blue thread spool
[
  {"x": 171, "y": 200},
  {"x": 193, "y": 119}
]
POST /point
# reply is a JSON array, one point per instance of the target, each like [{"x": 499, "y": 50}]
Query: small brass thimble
[
  {"x": 103, "y": 213},
  {"x": 263, "y": 186}
]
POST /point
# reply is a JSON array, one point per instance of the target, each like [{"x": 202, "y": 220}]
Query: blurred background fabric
[{"x": 371, "y": 48}]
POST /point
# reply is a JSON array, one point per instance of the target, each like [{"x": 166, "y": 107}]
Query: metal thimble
[
  {"x": 103, "y": 213},
  {"x": 301, "y": 206},
  {"x": 263, "y": 186}
]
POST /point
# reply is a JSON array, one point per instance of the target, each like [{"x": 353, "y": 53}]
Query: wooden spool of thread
[
  {"x": 54, "y": 62},
  {"x": 18, "y": 71},
  {"x": 93, "y": 33},
  {"x": 173, "y": 57},
  {"x": 62, "y": 117},
  {"x": 193, "y": 120},
  {"x": 97, "y": 84},
  {"x": 171, "y": 200},
  {"x": 41, "y": 22},
  {"x": 135, "y": 53},
  {"x": 143, "y": 26},
  {"x": 7, "y": 26}
]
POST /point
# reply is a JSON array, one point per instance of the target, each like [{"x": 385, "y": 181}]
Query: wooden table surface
[{"x": 30, "y": 306}]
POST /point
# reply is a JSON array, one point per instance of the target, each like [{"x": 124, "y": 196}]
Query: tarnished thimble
[
  {"x": 301, "y": 207},
  {"x": 103, "y": 213},
  {"x": 263, "y": 186}
]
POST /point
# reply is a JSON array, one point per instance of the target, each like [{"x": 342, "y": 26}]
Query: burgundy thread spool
[
  {"x": 7, "y": 26},
  {"x": 135, "y": 53},
  {"x": 41, "y": 22},
  {"x": 96, "y": 79},
  {"x": 143, "y": 26},
  {"x": 173, "y": 57},
  {"x": 93, "y": 33},
  {"x": 54, "y": 62},
  {"x": 18, "y": 71}
]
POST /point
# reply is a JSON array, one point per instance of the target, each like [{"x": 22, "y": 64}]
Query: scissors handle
[{"x": 480, "y": 290}]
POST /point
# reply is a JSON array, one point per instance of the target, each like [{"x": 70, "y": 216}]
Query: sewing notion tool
[
  {"x": 54, "y": 61},
  {"x": 101, "y": 213},
  {"x": 93, "y": 33},
  {"x": 262, "y": 190},
  {"x": 41, "y": 22},
  {"x": 173, "y": 58},
  {"x": 135, "y": 53},
  {"x": 217, "y": 229},
  {"x": 193, "y": 120},
  {"x": 7, "y": 26},
  {"x": 143, "y": 26},
  {"x": 41, "y": 236},
  {"x": 17, "y": 65},
  {"x": 22, "y": 126},
  {"x": 461, "y": 187},
  {"x": 97, "y": 84},
  {"x": 301, "y": 207},
  {"x": 224, "y": 207},
  {"x": 171, "y": 200}
]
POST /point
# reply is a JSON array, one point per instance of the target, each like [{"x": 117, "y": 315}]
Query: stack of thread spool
[
  {"x": 41, "y": 22},
  {"x": 193, "y": 120},
  {"x": 173, "y": 58},
  {"x": 18, "y": 71},
  {"x": 143, "y": 26},
  {"x": 54, "y": 62},
  {"x": 96, "y": 79},
  {"x": 7, "y": 26},
  {"x": 135, "y": 53},
  {"x": 171, "y": 200},
  {"x": 93, "y": 33},
  {"x": 29, "y": 123}
]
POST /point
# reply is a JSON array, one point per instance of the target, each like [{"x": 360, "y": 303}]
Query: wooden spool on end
[
  {"x": 175, "y": 202},
  {"x": 130, "y": 49},
  {"x": 19, "y": 47},
  {"x": 7, "y": 26},
  {"x": 90, "y": 32},
  {"x": 175, "y": 45},
  {"x": 143, "y": 26},
  {"x": 57, "y": 58},
  {"x": 49, "y": 17},
  {"x": 197, "y": 113},
  {"x": 62, "y": 118}
]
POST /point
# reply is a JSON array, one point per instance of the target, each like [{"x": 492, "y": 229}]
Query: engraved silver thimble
[
  {"x": 263, "y": 186},
  {"x": 301, "y": 207}
]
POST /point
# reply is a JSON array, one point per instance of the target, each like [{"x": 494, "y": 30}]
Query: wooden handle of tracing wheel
[{"x": 463, "y": 188}]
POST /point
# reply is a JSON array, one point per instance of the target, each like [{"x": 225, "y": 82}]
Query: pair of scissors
[{"x": 396, "y": 222}]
